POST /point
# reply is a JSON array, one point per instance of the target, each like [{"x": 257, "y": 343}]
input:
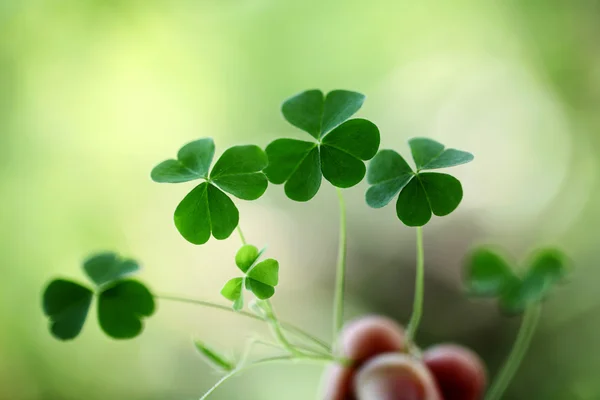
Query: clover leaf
[
  {"x": 207, "y": 209},
  {"x": 218, "y": 361},
  {"x": 340, "y": 148},
  {"x": 260, "y": 278},
  {"x": 122, "y": 303},
  {"x": 421, "y": 194},
  {"x": 489, "y": 274}
]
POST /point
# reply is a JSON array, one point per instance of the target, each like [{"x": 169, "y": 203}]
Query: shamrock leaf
[
  {"x": 207, "y": 209},
  {"x": 213, "y": 358},
  {"x": 260, "y": 278},
  {"x": 66, "y": 304},
  {"x": 122, "y": 307},
  {"x": 489, "y": 274},
  {"x": 340, "y": 149},
  {"x": 122, "y": 303},
  {"x": 108, "y": 267},
  {"x": 420, "y": 194}
]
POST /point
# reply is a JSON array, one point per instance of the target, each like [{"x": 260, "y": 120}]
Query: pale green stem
[
  {"x": 278, "y": 330},
  {"x": 340, "y": 276},
  {"x": 242, "y": 237},
  {"x": 285, "y": 325},
  {"x": 417, "y": 311},
  {"x": 512, "y": 363},
  {"x": 272, "y": 360}
]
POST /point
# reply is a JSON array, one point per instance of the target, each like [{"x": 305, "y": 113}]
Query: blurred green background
[{"x": 93, "y": 93}]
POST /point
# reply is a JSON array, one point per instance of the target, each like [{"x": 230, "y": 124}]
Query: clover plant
[{"x": 337, "y": 151}]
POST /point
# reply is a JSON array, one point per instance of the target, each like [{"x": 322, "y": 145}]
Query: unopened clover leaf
[
  {"x": 122, "y": 303},
  {"x": 420, "y": 194},
  {"x": 340, "y": 148},
  {"x": 207, "y": 209},
  {"x": 259, "y": 277},
  {"x": 214, "y": 358},
  {"x": 488, "y": 273}
]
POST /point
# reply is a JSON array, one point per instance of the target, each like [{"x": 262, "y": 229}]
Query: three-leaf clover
[
  {"x": 421, "y": 193},
  {"x": 122, "y": 302},
  {"x": 489, "y": 274},
  {"x": 259, "y": 277},
  {"x": 207, "y": 209},
  {"x": 338, "y": 152}
]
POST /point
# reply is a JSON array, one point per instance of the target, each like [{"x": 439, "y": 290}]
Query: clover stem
[
  {"x": 340, "y": 276},
  {"x": 242, "y": 237},
  {"x": 285, "y": 325},
  {"x": 512, "y": 363},
  {"x": 278, "y": 331},
  {"x": 417, "y": 311},
  {"x": 266, "y": 361}
]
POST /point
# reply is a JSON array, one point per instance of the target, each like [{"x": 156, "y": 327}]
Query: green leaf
[
  {"x": 66, "y": 304},
  {"x": 122, "y": 307},
  {"x": 213, "y": 358},
  {"x": 444, "y": 192},
  {"x": 304, "y": 184},
  {"x": 429, "y": 154},
  {"x": 340, "y": 168},
  {"x": 339, "y": 106},
  {"x": 107, "y": 267},
  {"x": 193, "y": 162},
  {"x": 357, "y": 137},
  {"x": 266, "y": 272},
  {"x": 285, "y": 156},
  {"x": 388, "y": 173},
  {"x": 233, "y": 290},
  {"x": 412, "y": 206},
  {"x": 304, "y": 111},
  {"x": 260, "y": 290},
  {"x": 246, "y": 257},
  {"x": 239, "y": 172},
  {"x": 488, "y": 273},
  {"x": 204, "y": 210}
]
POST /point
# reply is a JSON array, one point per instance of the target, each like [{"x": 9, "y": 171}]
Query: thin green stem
[
  {"x": 278, "y": 330},
  {"x": 417, "y": 311},
  {"x": 266, "y": 361},
  {"x": 242, "y": 237},
  {"x": 512, "y": 363},
  {"x": 340, "y": 276},
  {"x": 285, "y": 325}
]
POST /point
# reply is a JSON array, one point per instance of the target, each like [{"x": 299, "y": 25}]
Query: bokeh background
[{"x": 93, "y": 93}]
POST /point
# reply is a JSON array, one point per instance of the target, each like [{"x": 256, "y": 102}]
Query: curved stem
[
  {"x": 242, "y": 237},
  {"x": 512, "y": 363},
  {"x": 278, "y": 331},
  {"x": 417, "y": 311},
  {"x": 285, "y": 325},
  {"x": 272, "y": 360},
  {"x": 340, "y": 276}
]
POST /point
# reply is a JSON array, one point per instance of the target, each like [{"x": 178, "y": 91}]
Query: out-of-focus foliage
[{"x": 94, "y": 92}]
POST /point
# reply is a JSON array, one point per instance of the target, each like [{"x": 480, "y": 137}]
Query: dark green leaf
[
  {"x": 204, "y": 210},
  {"x": 304, "y": 111},
  {"x": 412, "y": 206},
  {"x": 425, "y": 150},
  {"x": 340, "y": 168},
  {"x": 260, "y": 290},
  {"x": 239, "y": 172},
  {"x": 339, "y": 106},
  {"x": 193, "y": 162},
  {"x": 488, "y": 273},
  {"x": 232, "y": 289},
  {"x": 246, "y": 257},
  {"x": 285, "y": 157},
  {"x": 66, "y": 304},
  {"x": 108, "y": 267},
  {"x": 304, "y": 183},
  {"x": 357, "y": 137},
  {"x": 192, "y": 216},
  {"x": 122, "y": 307},
  {"x": 213, "y": 358},
  {"x": 449, "y": 158},
  {"x": 388, "y": 173},
  {"x": 224, "y": 215},
  {"x": 443, "y": 191},
  {"x": 244, "y": 186},
  {"x": 266, "y": 272}
]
